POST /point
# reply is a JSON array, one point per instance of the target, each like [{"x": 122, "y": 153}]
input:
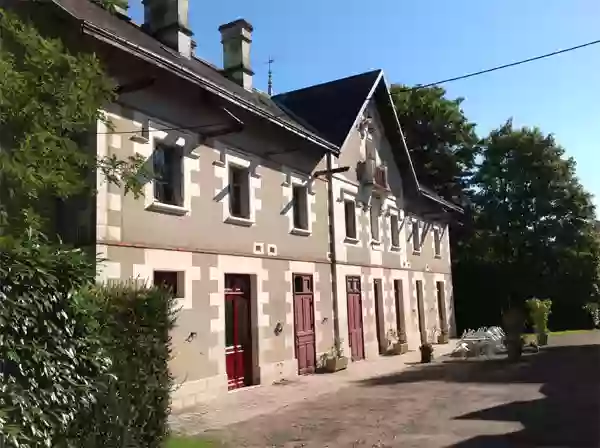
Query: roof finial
[{"x": 270, "y": 79}]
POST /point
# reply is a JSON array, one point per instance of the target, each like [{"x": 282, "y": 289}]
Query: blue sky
[{"x": 422, "y": 41}]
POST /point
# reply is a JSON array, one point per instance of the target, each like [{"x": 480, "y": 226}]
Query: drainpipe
[{"x": 332, "y": 253}]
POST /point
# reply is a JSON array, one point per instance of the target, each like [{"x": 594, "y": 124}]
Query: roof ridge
[{"x": 326, "y": 83}]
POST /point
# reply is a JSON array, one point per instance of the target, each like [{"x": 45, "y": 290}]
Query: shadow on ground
[{"x": 568, "y": 415}]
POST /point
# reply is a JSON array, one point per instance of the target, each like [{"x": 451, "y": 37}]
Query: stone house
[{"x": 279, "y": 222}]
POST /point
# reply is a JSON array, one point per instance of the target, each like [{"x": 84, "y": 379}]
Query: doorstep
[{"x": 246, "y": 403}]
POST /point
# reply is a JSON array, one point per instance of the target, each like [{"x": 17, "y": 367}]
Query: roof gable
[
  {"x": 331, "y": 108},
  {"x": 334, "y": 108}
]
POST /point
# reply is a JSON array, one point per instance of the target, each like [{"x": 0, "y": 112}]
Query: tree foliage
[
  {"x": 50, "y": 101},
  {"x": 442, "y": 141},
  {"x": 529, "y": 225},
  {"x": 51, "y": 355}
]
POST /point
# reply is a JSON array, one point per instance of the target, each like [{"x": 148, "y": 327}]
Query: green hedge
[
  {"x": 50, "y": 355},
  {"x": 81, "y": 366},
  {"x": 136, "y": 329}
]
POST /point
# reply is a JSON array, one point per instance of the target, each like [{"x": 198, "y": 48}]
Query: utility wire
[
  {"x": 502, "y": 67},
  {"x": 410, "y": 89}
]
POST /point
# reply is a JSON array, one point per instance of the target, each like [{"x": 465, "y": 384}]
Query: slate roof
[
  {"x": 332, "y": 107},
  {"x": 93, "y": 15}
]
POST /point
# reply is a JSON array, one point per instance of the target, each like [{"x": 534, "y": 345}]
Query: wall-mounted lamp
[{"x": 278, "y": 329}]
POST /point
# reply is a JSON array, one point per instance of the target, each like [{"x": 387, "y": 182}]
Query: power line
[
  {"x": 180, "y": 128},
  {"x": 501, "y": 67},
  {"x": 408, "y": 89}
]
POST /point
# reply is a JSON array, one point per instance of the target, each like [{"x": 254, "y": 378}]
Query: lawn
[{"x": 190, "y": 442}]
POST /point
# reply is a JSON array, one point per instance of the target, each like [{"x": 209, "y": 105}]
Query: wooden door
[
  {"x": 379, "y": 324},
  {"x": 355, "y": 321},
  {"x": 400, "y": 316},
  {"x": 238, "y": 339},
  {"x": 441, "y": 302},
  {"x": 304, "y": 324},
  {"x": 421, "y": 311}
]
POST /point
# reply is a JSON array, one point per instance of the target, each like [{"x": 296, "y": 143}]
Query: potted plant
[
  {"x": 593, "y": 309},
  {"x": 426, "y": 352},
  {"x": 539, "y": 311},
  {"x": 513, "y": 320},
  {"x": 395, "y": 346},
  {"x": 334, "y": 360},
  {"x": 443, "y": 336}
]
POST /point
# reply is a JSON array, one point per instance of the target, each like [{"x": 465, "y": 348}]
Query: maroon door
[
  {"x": 237, "y": 331},
  {"x": 421, "y": 311},
  {"x": 355, "y": 322},
  {"x": 379, "y": 324},
  {"x": 304, "y": 324}
]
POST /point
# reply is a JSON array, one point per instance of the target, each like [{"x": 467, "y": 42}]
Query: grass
[
  {"x": 529, "y": 337},
  {"x": 558, "y": 333},
  {"x": 190, "y": 442}
]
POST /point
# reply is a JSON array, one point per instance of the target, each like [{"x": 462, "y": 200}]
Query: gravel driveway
[{"x": 550, "y": 399}]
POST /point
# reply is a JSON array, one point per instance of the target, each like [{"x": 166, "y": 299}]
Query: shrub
[
  {"x": 539, "y": 311},
  {"x": 134, "y": 411},
  {"x": 50, "y": 353}
]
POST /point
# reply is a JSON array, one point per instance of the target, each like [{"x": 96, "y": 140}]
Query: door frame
[{"x": 294, "y": 295}]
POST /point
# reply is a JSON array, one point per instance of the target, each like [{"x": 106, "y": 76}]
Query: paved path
[{"x": 550, "y": 399}]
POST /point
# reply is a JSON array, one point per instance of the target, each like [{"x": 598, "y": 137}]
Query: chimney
[
  {"x": 236, "y": 38},
  {"x": 167, "y": 21}
]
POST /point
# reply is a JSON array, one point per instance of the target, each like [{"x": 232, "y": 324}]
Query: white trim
[{"x": 153, "y": 135}]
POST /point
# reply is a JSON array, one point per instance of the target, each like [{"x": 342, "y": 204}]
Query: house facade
[{"x": 278, "y": 229}]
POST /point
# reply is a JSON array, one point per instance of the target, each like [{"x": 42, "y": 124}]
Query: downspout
[{"x": 332, "y": 254}]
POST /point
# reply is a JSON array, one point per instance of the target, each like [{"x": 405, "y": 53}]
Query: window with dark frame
[
  {"x": 167, "y": 164},
  {"x": 416, "y": 236},
  {"x": 239, "y": 192},
  {"x": 169, "y": 280},
  {"x": 300, "y": 206},
  {"x": 350, "y": 218},
  {"x": 437, "y": 242},
  {"x": 374, "y": 221},
  {"x": 395, "y": 231}
]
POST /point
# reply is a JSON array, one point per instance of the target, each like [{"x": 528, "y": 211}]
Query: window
[
  {"x": 350, "y": 216},
  {"x": 300, "y": 207},
  {"x": 239, "y": 192},
  {"x": 374, "y": 221},
  {"x": 171, "y": 280},
  {"x": 167, "y": 164},
  {"x": 437, "y": 242},
  {"x": 394, "y": 229},
  {"x": 416, "y": 236}
]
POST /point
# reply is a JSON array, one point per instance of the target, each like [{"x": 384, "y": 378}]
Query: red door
[
  {"x": 237, "y": 331},
  {"x": 355, "y": 322},
  {"x": 304, "y": 324}
]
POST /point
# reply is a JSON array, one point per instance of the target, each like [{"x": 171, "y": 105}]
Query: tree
[
  {"x": 534, "y": 226},
  {"x": 50, "y": 101},
  {"x": 442, "y": 141}
]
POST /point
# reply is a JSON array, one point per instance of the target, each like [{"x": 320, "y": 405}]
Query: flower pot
[
  {"x": 426, "y": 353},
  {"x": 398, "y": 348},
  {"x": 542, "y": 339},
  {"x": 443, "y": 338},
  {"x": 335, "y": 364}
]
